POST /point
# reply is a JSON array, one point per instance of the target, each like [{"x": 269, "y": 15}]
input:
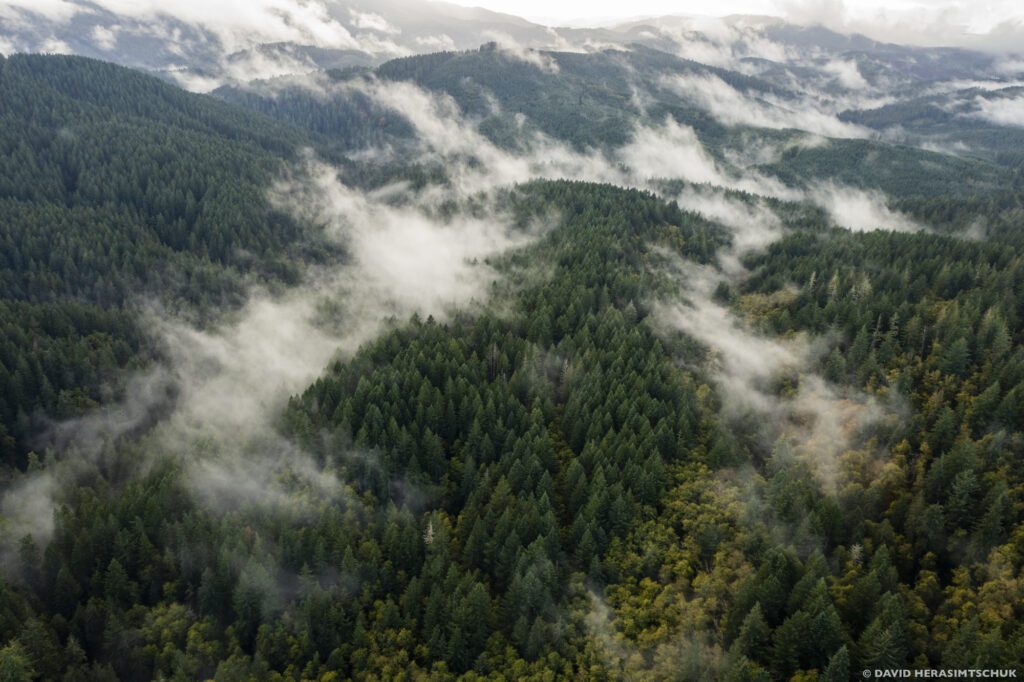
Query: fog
[
  {"x": 860, "y": 210},
  {"x": 512, "y": 49},
  {"x": 731, "y": 107},
  {"x": 942, "y": 23},
  {"x": 773, "y": 382},
  {"x": 403, "y": 260},
  {"x": 214, "y": 401},
  {"x": 718, "y": 41},
  {"x": 743, "y": 362},
  {"x": 752, "y": 224},
  {"x": 654, "y": 151},
  {"x": 1007, "y": 111},
  {"x": 846, "y": 73},
  {"x": 237, "y": 24}
]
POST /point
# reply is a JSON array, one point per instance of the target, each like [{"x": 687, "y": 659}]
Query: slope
[
  {"x": 597, "y": 100},
  {"x": 115, "y": 187}
]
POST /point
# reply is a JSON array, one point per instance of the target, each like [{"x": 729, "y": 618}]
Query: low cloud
[
  {"x": 673, "y": 150},
  {"x": 214, "y": 402},
  {"x": 1004, "y": 111},
  {"x": 771, "y": 380},
  {"x": 55, "y": 46},
  {"x": 860, "y": 210},
  {"x": 720, "y": 41},
  {"x": 653, "y": 152},
  {"x": 751, "y": 223},
  {"x": 212, "y": 43},
  {"x": 733, "y": 108},
  {"x": 372, "y": 22},
  {"x": 1010, "y": 66},
  {"x": 581, "y": 44},
  {"x": 403, "y": 260},
  {"x": 846, "y": 74},
  {"x": 667, "y": 151},
  {"x": 997, "y": 29},
  {"x": 510, "y": 47},
  {"x": 21, "y": 13},
  {"x": 438, "y": 43},
  {"x": 216, "y": 398},
  {"x": 237, "y": 24},
  {"x": 105, "y": 37},
  {"x": 744, "y": 363},
  {"x": 952, "y": 148}
]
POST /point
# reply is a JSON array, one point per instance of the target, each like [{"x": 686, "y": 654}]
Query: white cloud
[
  {"x": 719, "y": 42},
  {"x": 1007, "y": 111},
  {"x": 402, "y": 259},
  {"x": 860, "y": 210},
  {"x": 654, "y": 152},
  {"x": 237, "y": 24},
  {"x": 671, "y": 151},
  {"x": 846, "y": 73},
  {"x": 995, "y": 27},
  {"x": 438, "y": 43},
  {"x": 819, "y": 421},
  {"x": 372, "y": 22},
  {"x": 674, "y": 151},
  {"x": 744, "y": 362},
  {"x": 1010, "y": 66},
  {"x": 508, "y": 46},
  {"x": 105, "y": 37},
  {"x": 242, "y": 23},
  {"x": 7, "y": 46},
  {"x": 752, "y": 224},
  {"x": 55, "y": 46},
  {"x": 731, "y": 107},
  {"x": 18, "y": 12}
]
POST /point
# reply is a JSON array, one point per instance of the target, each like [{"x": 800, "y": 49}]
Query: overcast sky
[
  {"x": 996, "y": 25},
  {"x": 952, "y": 22},
  {"x": 977, "y": 15}
]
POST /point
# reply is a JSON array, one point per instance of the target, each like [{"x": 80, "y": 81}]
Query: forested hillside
[
  {"x": 117, "y": 189},
  {"x": 951, "y": 119},
  {"x": 505, "y": 364},
  {"x": 593, "y": 101}
]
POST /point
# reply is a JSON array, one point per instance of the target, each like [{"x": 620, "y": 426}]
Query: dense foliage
[
  {"x": 594, "y": 101},
  {"x": 115, "y": 186},
  {"x": 549, "y": 485}
]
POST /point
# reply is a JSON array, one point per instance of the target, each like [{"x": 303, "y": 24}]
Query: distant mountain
[
  {"x": 682, "y": 351},
  {"x": 595, "y": 101},
  {"x": 98, "y": 208},
  {"x": 201, "y": 49}
]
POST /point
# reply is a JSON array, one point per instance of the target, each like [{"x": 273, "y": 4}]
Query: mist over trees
[{"x": 514, "y": 364}]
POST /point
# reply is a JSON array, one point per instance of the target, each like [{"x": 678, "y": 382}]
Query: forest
[{"x": 637, "y": 448}]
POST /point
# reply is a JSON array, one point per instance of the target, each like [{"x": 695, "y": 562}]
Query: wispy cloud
[
  {"x": 860, "y": 210},
  {"x": 1006, "y": 111},
  {"x": 733, "y": 108}
]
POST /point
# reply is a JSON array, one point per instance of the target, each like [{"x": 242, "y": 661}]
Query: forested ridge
[
  {"x": 590, "y": 102},
  {"x": 554, "y": 481},
  {"x": 115, "y": 187}
]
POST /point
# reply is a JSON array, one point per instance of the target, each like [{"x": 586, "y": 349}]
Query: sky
[
  {"x": 952, "y": 22},
  {"x": 977, "y": 15},
  {"x": 600, "y": 12},
  {"x": 991, "y": 25}
]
